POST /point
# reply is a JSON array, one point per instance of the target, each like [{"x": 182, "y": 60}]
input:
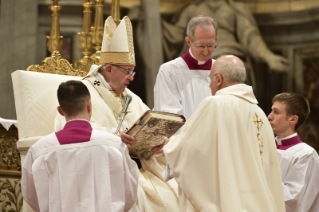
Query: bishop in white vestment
[{"x": 225, "y": 159}]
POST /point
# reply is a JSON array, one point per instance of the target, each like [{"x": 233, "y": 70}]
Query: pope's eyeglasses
[{"x": 129, "y": 73}]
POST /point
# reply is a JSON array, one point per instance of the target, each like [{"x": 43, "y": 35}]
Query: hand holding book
[
  {"x": 159, "y": 149},
  {"x": 130, "y": 141},
  {"x": 149, "y": 129}
]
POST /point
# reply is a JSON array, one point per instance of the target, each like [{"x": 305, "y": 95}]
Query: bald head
[
  {"x": 226, "y": 71},
  {"x": 231, "y": 68}
]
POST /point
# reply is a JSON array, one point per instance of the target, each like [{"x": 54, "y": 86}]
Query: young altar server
[
  {"x": 79, "y": 168},
  {"x": 299, "y": 162}
]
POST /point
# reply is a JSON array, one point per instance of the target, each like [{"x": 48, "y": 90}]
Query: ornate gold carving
[
  {"x": 10, "y": 197},
  {"x": 259, "y": 123},
  {"x": 85, "y": 40},
  {"x": 56, "y": 65},
  {"x": 127, "y": 58},
  {"x": 55, "y": 40},
  {"x": 10, "y": 156},
  {"x": 97, "y": 31}
]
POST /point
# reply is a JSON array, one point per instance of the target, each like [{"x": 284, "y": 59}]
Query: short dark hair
[
  {"x": 73, "y": 96},
  {"x": 296, "y": 104}
]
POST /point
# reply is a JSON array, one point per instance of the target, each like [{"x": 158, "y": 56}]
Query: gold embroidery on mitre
[
  {"x": 121, "y": 58},
  {"x": 258, "y": 122}
]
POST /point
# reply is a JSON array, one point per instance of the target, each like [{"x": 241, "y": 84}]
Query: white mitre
[{"x": 117, "y": 45}]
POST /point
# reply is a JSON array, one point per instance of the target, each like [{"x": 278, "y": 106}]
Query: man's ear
[
  {"x": 60, "y": 110},
  {"x": 294, "y": 119},
  {"x": 219, "y": 80},
  {"x": 89, "y": 106},
  {"x": 188, "y": 41},
  {"x": 107, "y": 71},
  {"x": 108, "y": 68}
]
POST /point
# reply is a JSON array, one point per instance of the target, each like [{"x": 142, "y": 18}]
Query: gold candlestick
[
  {"x": 115, "y": 11},
  {"x": 97, "y": 31},
  {"x": 55, "y": 64},
  {"x": 85, "y": 40},
  {"x": 55, "y": 40}
]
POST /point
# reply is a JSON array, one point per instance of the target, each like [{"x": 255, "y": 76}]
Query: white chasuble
[
  {"x": 97, "y": 175},
  {"x": 179, "y": 89},
  {"x": 225, "y": 159},
  {"x": 300, "y": 176}
]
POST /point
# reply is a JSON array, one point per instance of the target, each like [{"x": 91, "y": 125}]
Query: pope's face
[
  {"x": 204, "y": 42},
  {"x": 119, "y": 79},
  {"x": 278, "y": 118}
]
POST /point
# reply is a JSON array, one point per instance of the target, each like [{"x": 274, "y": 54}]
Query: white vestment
[
  {"x": 179, "y": 89},
  {"x": 225, "y": 158},
  {"x": 154, "y": 194},
  {"x": 92, "y": 176},
  {"x": 300, "y": 176}
]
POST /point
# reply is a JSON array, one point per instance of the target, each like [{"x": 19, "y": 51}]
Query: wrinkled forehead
[{"x": 207, "y": 32}]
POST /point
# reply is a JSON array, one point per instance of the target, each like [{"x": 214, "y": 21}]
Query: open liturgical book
[{"x": 149, "y": 129}]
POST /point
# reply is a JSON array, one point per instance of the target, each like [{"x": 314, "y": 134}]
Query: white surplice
[
  {"x": 154, "y": 194},
  {"x": 300, "y": 176},
  {"x": 179, "y": 89},
  {"x": 92, "y": 176},
  {"x": 225, "y": 158}
]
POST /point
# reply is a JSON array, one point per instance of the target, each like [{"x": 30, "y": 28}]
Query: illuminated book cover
[{"x": 149, "y": 129}]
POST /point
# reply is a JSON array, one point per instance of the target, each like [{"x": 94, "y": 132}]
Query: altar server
[
  {"x": 181, "y": 83},
  {"x": 79, "y": 168},
  {"x": 299, "y": 162}
]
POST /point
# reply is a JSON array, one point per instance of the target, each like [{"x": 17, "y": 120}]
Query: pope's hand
[
  {"x": 159, "y": 149},
  {"x": 130, "y": 141}
]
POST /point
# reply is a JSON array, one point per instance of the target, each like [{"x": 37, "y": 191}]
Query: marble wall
[{"x": 18, "y": 41}]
